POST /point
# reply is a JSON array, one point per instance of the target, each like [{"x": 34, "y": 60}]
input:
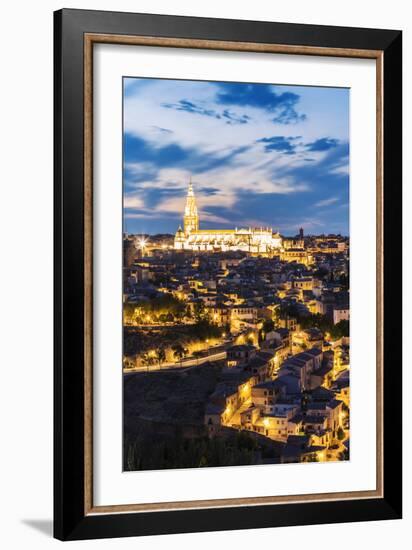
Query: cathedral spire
[
  {"x": 191, "y": 218},
  {"x": 190, "y": 189}
]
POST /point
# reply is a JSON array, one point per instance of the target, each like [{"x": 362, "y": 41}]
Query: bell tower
[{"x": 191, "y": 218}]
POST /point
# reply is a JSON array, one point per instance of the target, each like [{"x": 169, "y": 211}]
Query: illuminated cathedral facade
[{"x": 259, "y": 241}]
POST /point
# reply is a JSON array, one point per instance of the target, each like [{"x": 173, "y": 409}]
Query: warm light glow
[{"x": 266, "y": 422}]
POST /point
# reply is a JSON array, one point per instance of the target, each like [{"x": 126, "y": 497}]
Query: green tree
[
  {"x": 312, "y": 458},
  {"x": 344, "y": 280},
  {"x": 339, "y": 330},
  {"x": 160, "y": 355},
  {"x": 204, "y": 330},
  {"x": 202, "y": 461},
  {"x": 163, "y": 317},
  {"x": 268, "y": 325},
  {"x": 129, "y": 311},
  {"x": 321, "y": 273},
  {"x": 200, "y": 312},
  {"x": 179, "y": 351},
  {"x": 147, "y": 360},
  {"x": 341, "y": 433},
  {"x": 344, "y": 455}
]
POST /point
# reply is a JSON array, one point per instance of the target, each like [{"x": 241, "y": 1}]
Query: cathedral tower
[{"x": 190, "y": 219}]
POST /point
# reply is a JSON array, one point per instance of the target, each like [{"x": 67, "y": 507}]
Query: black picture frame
[{"x": 70, "y": 520}]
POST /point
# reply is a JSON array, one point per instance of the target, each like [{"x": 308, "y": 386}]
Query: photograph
[
  {"x": 227, "y": 273},
  {"x": 236, "y": 289}
]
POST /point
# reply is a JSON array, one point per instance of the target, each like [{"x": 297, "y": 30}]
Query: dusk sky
[{"x": 258, "y": 154}]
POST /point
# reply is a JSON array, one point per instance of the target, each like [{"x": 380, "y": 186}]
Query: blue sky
[{"x": 258, "y": 155}]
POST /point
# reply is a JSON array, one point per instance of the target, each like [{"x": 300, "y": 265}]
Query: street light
[{"x": 142, "y": 243}]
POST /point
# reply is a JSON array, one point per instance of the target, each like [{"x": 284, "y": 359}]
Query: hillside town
[{"x": 272, "y": 326}]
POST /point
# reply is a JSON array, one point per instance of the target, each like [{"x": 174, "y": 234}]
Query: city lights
[{"x": 236, "y": 308}]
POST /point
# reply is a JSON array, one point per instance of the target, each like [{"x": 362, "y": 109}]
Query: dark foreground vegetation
[
  {"x": 183, "y": 452},
  {"x": 164, "y": 424}
]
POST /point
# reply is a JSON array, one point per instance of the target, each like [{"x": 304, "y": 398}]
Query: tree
[
  {"x": 344, "y": 280},
  {"x": 204, "y": 330},
  {"x": 160, "y": 355},
  {"x": 202, "y": 462},
  {"x": 321, "y": 273},
  {"x": 339, "y": 330},
  {"x": 163, "y": 317},
  {"x": 147, "y": 360},
  {"x": 268, "y": 325},
  {"x": 129, "y": 311},
  {"x": 341, "y": 433},
  {"x": 200, "y": 312},
  {"x": 179, "y": 351},
  {"x": 164, "y": 304},
  {"x": 312, "y": 458},
  {"x": 344, "y": 455}
]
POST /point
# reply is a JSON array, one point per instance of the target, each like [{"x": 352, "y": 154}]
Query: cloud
[
  {"x": 288, "y": 116},
  {"x": 132, "y": 201},
  {"x": 164, "y": 195},
  {"x": 210, "y": 190},
  {"x": 138, "y": 150},
  {"x": 189, "y": 107},
  {"x": 261, "y": 96},
  {"x": 162, "y": 130},
  {"x": 322, "y": 144},
  {"x": 232, "y": 118},
  {"x": 244, "y": 173},
  {"x": 282, "y": 144},
  {"x": 326, "y": 202}
]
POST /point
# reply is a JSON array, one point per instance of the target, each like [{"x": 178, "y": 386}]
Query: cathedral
[{"x": 259, "y": 241}]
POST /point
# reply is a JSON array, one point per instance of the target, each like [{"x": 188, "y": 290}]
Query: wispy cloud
[
  {"x": 162, "y": 130},
  {"x": 326, "y": 202},
  {"x": 133, "y": 201},
  {"x": 189, "y": 107}
]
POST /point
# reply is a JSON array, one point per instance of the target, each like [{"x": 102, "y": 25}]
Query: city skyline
[{"x": 258, "y": 155}]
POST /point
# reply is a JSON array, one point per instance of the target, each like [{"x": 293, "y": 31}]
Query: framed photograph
[{"x": 227, "y": 274}]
